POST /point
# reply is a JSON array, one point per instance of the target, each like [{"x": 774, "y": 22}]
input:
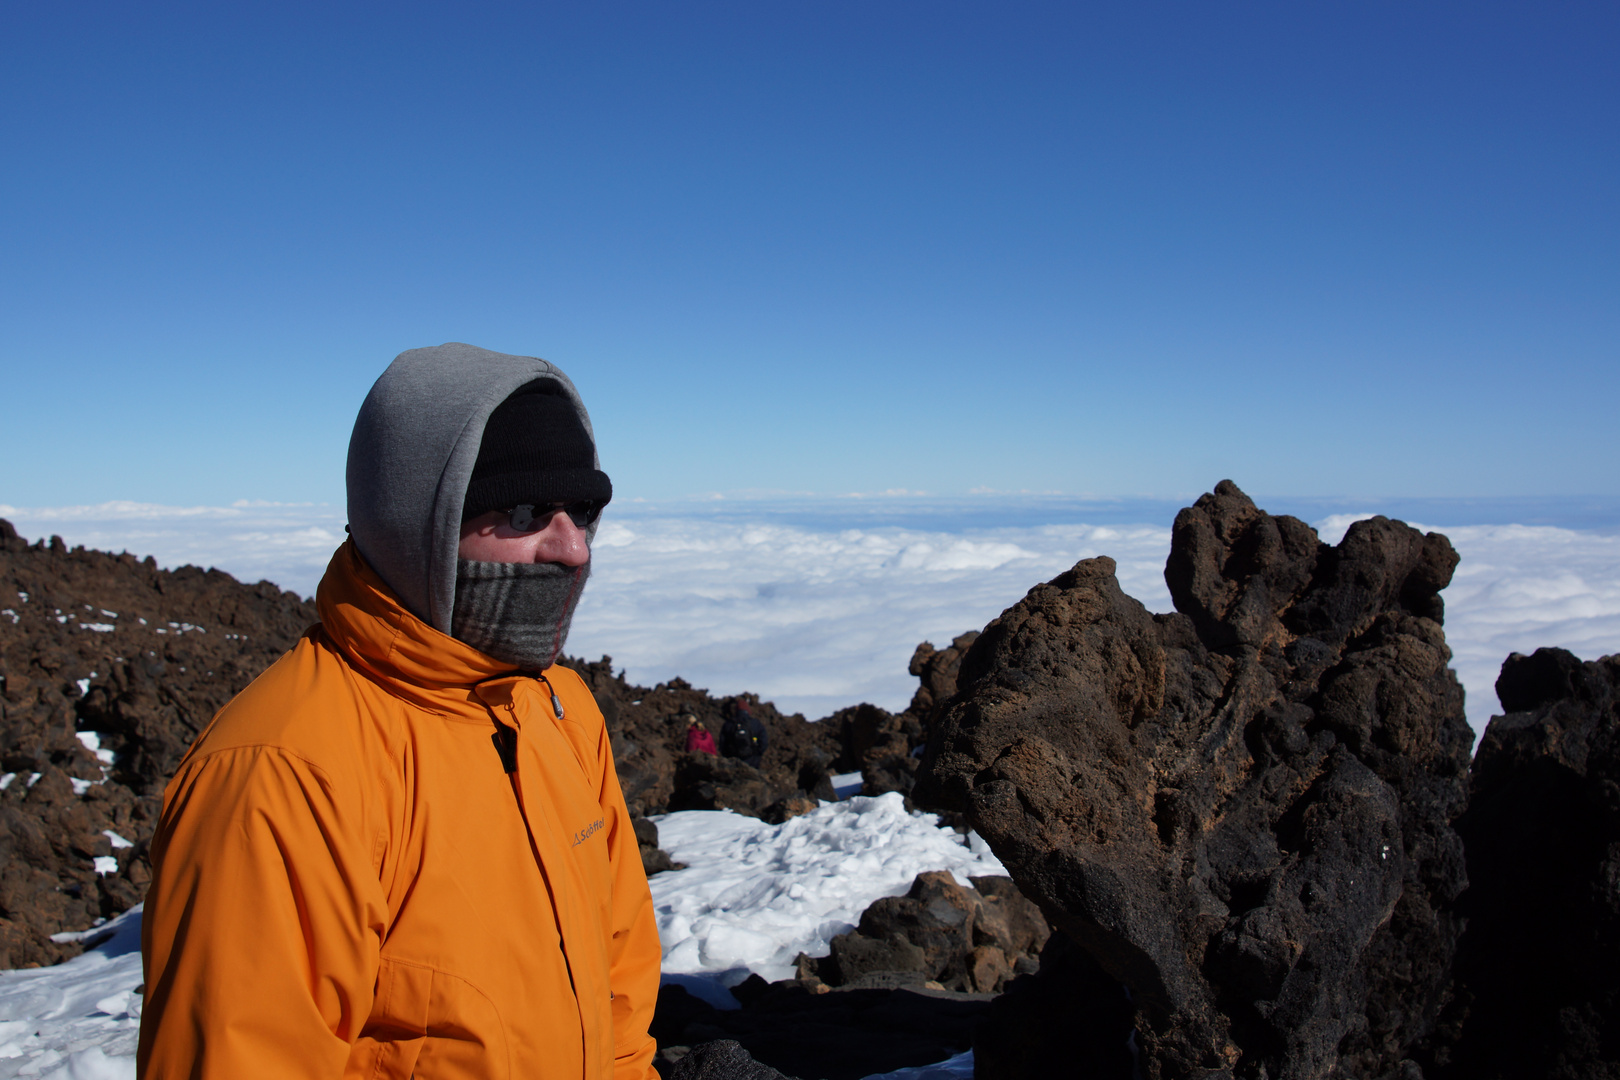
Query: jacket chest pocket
[{"x": 429, "y": 1024}]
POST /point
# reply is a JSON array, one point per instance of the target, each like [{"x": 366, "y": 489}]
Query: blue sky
[{"x": 1325, "y": 249}]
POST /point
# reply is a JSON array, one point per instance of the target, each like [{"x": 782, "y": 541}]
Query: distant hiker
[
  {"x": 744, "y": 737},
  {"x": 402, "y": 850},
  {"x": 699, "y": 740}
]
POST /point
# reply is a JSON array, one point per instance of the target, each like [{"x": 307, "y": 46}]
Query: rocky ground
[{"x": 142, "y": 657}]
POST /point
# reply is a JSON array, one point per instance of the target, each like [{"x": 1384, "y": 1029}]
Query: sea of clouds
[{"x": 818, "y": 605}]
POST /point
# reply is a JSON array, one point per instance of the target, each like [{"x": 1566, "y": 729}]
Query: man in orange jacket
[{"x": 402, "y": 851}]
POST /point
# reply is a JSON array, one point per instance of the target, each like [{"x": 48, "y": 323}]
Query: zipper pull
[{"x": 556, "y": 702}]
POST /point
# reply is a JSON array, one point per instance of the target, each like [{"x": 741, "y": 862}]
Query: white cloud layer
[{"x": 817, "y": 618}]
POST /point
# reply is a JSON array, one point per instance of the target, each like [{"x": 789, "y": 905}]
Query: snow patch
[{"x": 753, "y": 896}]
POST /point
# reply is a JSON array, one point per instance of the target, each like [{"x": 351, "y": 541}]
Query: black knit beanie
[{"x": 534, "y": 450}]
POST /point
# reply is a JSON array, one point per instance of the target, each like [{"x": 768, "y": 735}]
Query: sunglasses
[{"x": 527, "y": 517}]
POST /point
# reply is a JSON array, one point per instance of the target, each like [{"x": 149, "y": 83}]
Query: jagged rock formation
[
  {"x": 936, "y": 671},
  {"x": 1242, "y": 810},
  {"x": 940, "y": 935},
  {"x": 1538, "y": 971},
  {"x": 884, "y": 747},
  {"x": 136, "y": 660}
]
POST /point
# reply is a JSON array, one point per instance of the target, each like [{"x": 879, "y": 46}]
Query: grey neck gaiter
[{"x": 516, "y": 612}]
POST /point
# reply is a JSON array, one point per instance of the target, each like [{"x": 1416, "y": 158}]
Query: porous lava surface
[
  {"x": 1538, "y": 970},
  {"x": 1242, "y": 810}
]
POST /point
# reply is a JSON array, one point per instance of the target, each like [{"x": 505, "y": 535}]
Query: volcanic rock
[
  {"x": 108, "y": 669},
  {"x": 1068, "y": 1018},
  {"x": 654, "y": 860},
  {"x": 827, "y": 1034},
  {"x": 648, "y": 735},
  {"x": 723, "y": 1059},
  {"x": 711, "y": 782},
  {"x": 936, "y": 671},
  {"x": 1242, "y": 810},
  {"x": 1538, "y": 971},
  {"x": 964, "y": 938}
]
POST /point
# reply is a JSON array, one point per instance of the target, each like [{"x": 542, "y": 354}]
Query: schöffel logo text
[{"x": 587, "y": 832}]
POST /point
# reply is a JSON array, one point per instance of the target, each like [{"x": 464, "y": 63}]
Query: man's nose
[{"x": 561, "y": 541}]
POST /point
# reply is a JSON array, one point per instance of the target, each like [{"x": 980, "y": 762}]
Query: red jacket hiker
[{"x": 698, "y": 739}]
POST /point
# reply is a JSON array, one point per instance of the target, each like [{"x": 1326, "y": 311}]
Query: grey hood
[{"x": 411, "y": 457}]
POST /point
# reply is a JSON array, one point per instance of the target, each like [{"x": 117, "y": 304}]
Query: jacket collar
[{"x": 414, "y": 661}]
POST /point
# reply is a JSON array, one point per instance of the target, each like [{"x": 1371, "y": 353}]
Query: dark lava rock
[
  {"x": 1069, "y": 1018},
  {"x": 827, "y": 1034},
  {"x": 142, "y": 657},
  {"x": 648, "y": 735},
  {"x": 1538, "y": 971},
  {"x": 654, "y": 860},
  {"x": 657, "y": 775},
  {"x": 711, "y": 782},
  {"x": 936, "y": 671},
  {"x": 884, "y": 747},
  {"x": 723, "y": 1059},
  {"x": 1242, "y": 810},
  {"x": 939, "y": 934}
]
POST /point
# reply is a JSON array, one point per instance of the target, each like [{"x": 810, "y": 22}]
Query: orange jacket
[{"x": 348, "y": 883}]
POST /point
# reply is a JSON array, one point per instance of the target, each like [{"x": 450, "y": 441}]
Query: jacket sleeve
[
  {"x": 262, "y": 924},
  {"x": 634, "y": 953}
]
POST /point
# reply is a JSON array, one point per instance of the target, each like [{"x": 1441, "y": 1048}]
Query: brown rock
[
  {"x": 955, "y": 936},
  {"x": 987, "y": 969}
]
